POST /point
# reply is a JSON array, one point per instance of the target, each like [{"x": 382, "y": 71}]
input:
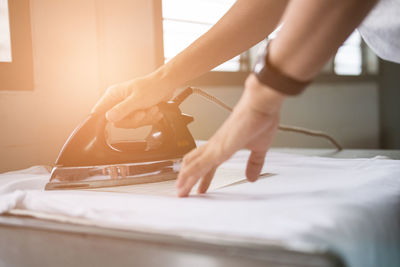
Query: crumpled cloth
[{"x": 350, "y": 207}]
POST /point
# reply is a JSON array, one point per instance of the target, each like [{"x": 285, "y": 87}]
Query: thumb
[{"x": 255, "y": 164}]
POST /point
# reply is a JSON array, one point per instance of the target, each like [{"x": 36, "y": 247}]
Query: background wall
[
  {"x": 349, "y": 112},
  {"x": 81, "y": 47}
]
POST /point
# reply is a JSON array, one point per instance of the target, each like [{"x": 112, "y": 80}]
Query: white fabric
[
  {"x": 381, "y": 30},
  {"x": 347, "y": 206}
]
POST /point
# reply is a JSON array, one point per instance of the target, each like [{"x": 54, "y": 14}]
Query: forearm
[
  {"x": 312, "y": 32},
  {"x": 244, "y": 25}
]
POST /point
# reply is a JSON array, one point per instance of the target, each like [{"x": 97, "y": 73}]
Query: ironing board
[{"x": 29, "y": 241}]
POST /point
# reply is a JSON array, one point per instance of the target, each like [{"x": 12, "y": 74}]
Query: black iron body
[{"x": 169, "y": 139}]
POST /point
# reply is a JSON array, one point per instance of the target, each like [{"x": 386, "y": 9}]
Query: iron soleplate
[{"x": 88, "y": 177}]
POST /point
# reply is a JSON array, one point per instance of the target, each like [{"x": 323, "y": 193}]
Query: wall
[
  {"x": 389, "y": 103},
  {"x": 72, "y": 64},
  {"x": 349, "y": 112}
]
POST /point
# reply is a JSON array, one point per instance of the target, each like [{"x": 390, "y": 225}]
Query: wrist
[
  {"x": 166, "y": 78},
  {"x": 262, "y": 97},
  {"x": 273, "y": 77},
  {"x": 159, "y": 79}
]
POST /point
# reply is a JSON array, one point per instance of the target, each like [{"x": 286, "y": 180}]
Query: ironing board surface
[
  {"x": 224, "y": 177},
  {"x": 346, "y": 206}
]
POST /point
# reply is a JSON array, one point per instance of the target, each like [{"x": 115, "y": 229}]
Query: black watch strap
[{"x": 272, "y": 77}]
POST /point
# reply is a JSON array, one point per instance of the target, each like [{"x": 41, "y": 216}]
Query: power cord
[{"x": 285, "y": 128}]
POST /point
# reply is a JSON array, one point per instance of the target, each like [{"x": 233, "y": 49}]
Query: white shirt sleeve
[{"x": 381, "y": 30}]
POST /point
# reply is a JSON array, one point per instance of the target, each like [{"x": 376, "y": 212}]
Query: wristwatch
[{"x": 272, "y": 77}]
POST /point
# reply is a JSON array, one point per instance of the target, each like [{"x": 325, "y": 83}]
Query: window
[
  {"x": 353, "y": 61},
  {"x": 184, "y": 21},
  {"x": 16, "y": 63},
  {"x": 5, "y": 42},
  {"x": 348, "y": 59}
]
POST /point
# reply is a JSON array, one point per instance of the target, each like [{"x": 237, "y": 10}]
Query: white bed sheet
[{"x": 347, "y": 206}]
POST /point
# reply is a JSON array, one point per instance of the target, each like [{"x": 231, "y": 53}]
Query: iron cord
[{"x": 285, "y": 128}]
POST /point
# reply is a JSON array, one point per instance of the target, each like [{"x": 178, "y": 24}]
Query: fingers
[
  {"x": 199, "y": 164},
  {"x": 206, "y": 181},
  {"x": 133, "y": 103},
  {"x": 137, "y": 100},
  {"x": 153, "y": 115},
  {"x": 195, "y": 165},
  {"x": 254, "y": 165},
  {"x": 122, "y": 99},
  {"x": 106, "y": 101},
  {"x": 121, "y": 110},
  {"x": 131, "y": 121},
  {"x": 111, "y": 97},
  {"x": 140, "y": 118}
]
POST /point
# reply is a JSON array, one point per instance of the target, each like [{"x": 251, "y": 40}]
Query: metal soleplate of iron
[{"x": 88, "y": 177}]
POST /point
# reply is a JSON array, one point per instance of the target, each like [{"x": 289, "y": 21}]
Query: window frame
[{"x": 17, "y": 75}]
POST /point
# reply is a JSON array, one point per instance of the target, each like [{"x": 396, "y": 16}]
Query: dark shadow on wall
[{"x": 389, "y": 92}]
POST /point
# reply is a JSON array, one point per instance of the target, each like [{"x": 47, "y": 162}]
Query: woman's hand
[
  {"x": 133, "y": 103},
  {"x": 251, "y": 125}
]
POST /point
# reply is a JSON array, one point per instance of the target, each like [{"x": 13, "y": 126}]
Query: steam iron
[{"x": 87, "y": 160}]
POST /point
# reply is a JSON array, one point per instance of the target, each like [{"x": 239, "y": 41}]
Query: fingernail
[{"x": 182, "y": 192}]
